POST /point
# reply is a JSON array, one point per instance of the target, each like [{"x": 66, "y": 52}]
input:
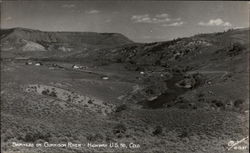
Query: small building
[
  {"x": 75, "y": 67},
  {"x": 105, "y": 78},
  {"x": 209, "y": 82},
  {"x": 28, "y": 63},
  {"x": 38, "y": 64},
  {"x": 188, "y": 86},
  {"x": 142, "y": 73}
]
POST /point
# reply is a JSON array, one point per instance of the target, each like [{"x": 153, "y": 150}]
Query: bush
[
  {"x": 218, "y": 103},
  {"x": 181, "y": 100},
  {"x": 53, "y": 94},
  {"x": 200, "y": 95},
  {"x": 119, "y": 130},
  {"x": 90, "y": 102},
  {"x": 48, "y": 93},
  {"x": 184, "y": 106},
  {"x": 32, "y": 137},
  {"x": 121, "y": 108},
  {"x": 119, "y": 60},
  {"x": 29, "y": 137},
  {"x": 45, "y": 92},
  {"x": 108, "y": 138},
  {"x": 150, "y": 91},
  {"x": 183, "y": 134},
  {"x": 69, "y": 98},
  {"x": 199, "y": 80},
  {"x": 158, "y": 130},
  {"x": 95, "y": 137},
  {"x": 235, "y": 49},
  {"x": 238, "y": 103}
]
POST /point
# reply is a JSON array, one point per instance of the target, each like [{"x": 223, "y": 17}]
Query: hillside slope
[
  {"x": 191, "y": 53},
  {"x": 16, "y": 38},
  {"x": 183, "y": 50},
  {"x": 189, "y": 95}
]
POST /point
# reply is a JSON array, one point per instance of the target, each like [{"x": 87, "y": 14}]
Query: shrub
[
  {"x": 121, "y": 108},
  {"x": 183, "y": 134},
  {"x": 200, "y": 95},
  {"x": 29, "y": 137},
  {"x": 158, "y": 130},
  {"x": 119, "y": 130},
  {"x": 158, "y": 62},
  {"x": 184, "y": 106},
  {"x": 90, "y": 101},
  {"x": 235, "y": 49},
  {"x": 119, "y": 60},
  {"x": 192, "y": 105},
  {"x": 32, "y": 137},
  {"x": 108, "y": 138},
  {"x": 69, "y": 98},
  {"x": 95, "y": 137},
  {"x": 180, "y": 100},
  {"x": 150, "y": 91},
  {"x": 53, "y": 94},
  {"x": 199, "y": 80},
  {"x": 45, "y": 92},
  {"x": 238, "y": 103},
  {"x": 218, "y": 103}
]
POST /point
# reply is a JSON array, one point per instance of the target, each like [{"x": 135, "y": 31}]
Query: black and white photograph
[{"x": 124, "y": 76}]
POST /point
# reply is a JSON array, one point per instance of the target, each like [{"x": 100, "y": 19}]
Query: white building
[
  {"x": 75, "y": 67},
  {"x": 105, "y": 78},
  {"x": 38, "y": 64},
  {"x": 28, "y": 63},
  {"x": 142, "y": 73}
]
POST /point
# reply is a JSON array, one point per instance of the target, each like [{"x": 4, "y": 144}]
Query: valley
[{"x": 185, "y": 95}]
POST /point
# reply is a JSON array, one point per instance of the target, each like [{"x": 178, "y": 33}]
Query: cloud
[
  {"x": 92, "y": 11},
  {"x": 239, "y": 27},
  {"x": 163, "y": 15},
  {"x": 141, "y": 18},
  {"x": 215, "y": 22},
  {"x": 163, "y": 19},
  {"x": 157, "y": 19},
  {"x": 175, "y": 24},
  {"x": 68, "y": 5},
  {"x": 145, "y": 18}
]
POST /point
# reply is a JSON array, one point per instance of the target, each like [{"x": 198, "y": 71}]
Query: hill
[
  {"x": 191, "y": 52},
  {"x": 19, "y": 38}
]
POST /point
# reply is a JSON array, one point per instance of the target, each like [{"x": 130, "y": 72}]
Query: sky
[{"x": 140, "y": 21}]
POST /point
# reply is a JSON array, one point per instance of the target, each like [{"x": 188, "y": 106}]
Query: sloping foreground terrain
[{"x": 181, "y": 96}]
